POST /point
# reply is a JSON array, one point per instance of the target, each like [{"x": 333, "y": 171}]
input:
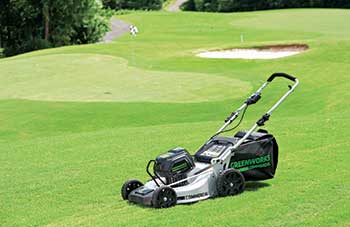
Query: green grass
[{"x": 76, "y": 122}]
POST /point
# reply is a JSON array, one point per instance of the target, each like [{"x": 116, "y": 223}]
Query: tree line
[
  {"x": 251, "y": 5},
  {"x": 27, "y": 25}
]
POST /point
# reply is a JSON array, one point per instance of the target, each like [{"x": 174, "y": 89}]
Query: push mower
[{"x": 219, "y": 168}]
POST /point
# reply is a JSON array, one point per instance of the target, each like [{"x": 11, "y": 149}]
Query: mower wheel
[
  {"x": 164, "y": 197},
  {"x": 230, "y": 182},
  {"x": 130, "y": 186}
]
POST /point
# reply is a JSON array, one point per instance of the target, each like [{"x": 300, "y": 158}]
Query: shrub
[
  {"x": 30, "y": 45},
  {"x": 35, "y": 44},
  {"x": 133, "y": 4},
  {"x": 188, "y": 6}
]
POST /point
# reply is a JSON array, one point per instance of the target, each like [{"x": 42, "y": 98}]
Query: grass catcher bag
[{"x": 256, "y": 158}]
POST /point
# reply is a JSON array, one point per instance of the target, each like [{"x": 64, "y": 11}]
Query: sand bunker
[{"x": 264, "y": 52}]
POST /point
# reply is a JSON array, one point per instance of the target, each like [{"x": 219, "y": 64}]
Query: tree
[
  {"x": 17, "y": 24},
  {"x": 27, "y": 25}
]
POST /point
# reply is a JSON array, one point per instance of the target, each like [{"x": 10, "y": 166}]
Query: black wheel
[
  {"x": 230, "y": 182},
  {"x": 164, "y": 197},
  {"x": 130, "y": 186}
]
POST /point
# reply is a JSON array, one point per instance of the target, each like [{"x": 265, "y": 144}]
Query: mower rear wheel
[
  {"x": 230, "y": 182},
  {"x": 130, "y": 186},
  {"x": 164, "y": 197}
]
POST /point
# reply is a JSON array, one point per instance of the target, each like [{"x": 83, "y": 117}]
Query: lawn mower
[{"x": 220, "y": 167}]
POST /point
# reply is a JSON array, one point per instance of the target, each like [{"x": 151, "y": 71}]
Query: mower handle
[
  {"x": 254, "y": 98},
  {"x": 285, "y": 75},
  {"x": 267, "y": 115}
]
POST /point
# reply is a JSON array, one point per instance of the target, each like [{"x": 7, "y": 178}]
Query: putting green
[{"x": 94, "y": 77}]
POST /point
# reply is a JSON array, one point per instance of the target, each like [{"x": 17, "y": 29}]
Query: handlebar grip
[{"x": 285, "y": 75}]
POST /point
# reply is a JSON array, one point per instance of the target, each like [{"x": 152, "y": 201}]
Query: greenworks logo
[{"x": 253, "y": 163}]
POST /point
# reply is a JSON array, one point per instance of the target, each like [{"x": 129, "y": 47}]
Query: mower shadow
[{"x": 255, "y": 185}]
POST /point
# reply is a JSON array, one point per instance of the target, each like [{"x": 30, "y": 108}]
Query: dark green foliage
[
  {"x": 27, "y": 25},
  {"x": 251, "y": 5},
  {"x": 133, "y": 4},
  {"x": 225, "y": 5},
  {"x": 189, "y": 6},
  {"x": 18, "y": 24},
  {"x": 29, "y": 45}
]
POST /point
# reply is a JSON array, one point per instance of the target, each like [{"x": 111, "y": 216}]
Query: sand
[{"x": 265, "y": 52}]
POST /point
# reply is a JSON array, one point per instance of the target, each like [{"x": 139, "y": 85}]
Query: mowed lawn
[{"x": 76, "y": 122}]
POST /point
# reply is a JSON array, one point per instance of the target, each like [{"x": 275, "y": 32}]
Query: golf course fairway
[{"x": 77, "y": 121}]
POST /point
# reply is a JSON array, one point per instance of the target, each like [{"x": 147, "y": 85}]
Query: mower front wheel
[
  {"x": 230, "y": 182},
  {"x": 164, "y": 197},
  {"x": 130, "y": 186}
]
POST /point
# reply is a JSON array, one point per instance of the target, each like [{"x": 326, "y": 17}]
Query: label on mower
[{"x": 252, "y": 163}]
